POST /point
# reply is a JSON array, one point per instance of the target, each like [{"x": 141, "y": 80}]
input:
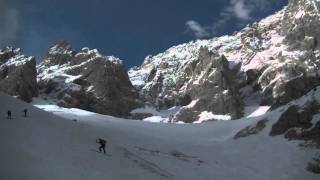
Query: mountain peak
[
  {"x": 260, "y": 58},
  {"x": 18, "y": 74}
]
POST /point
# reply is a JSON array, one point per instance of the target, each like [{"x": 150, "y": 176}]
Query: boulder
[
  {"x": 314, "y": 166},
  {"x": 293, "y": 117},
  {"x": 248, "y": 131},
  {"x": 296, "y": 123}
]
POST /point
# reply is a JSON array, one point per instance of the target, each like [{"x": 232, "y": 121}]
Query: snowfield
[{"x": 55, "y": 146}]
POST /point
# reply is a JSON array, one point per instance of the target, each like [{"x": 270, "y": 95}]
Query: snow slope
[{"x": 47, "y": 146}]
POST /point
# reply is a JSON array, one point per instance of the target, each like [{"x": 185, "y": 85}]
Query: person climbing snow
[
  {"x": 25, "y": 111},
  {"x": 102, "y": 143},
  {"x": 9, "y": 114}
]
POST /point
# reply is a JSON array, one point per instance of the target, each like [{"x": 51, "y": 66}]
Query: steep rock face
[
  {"x": 301, "y": 120},
  {"x": 170, "y": 78},
  {"x": 287, "y": 81},
  {"x": 59, "y": 54},
  {"x": 293, "y": 117},
  {"x": 301, "y": 22},
  {"x": 18, "y": 74},
  {"x": 278, "y": 58},
  {"x": 204, "y": 83},
  {"x": 298, "y": 70},
  {"x": 87, "y": 80},
  {"x": 211, "y": 88}
]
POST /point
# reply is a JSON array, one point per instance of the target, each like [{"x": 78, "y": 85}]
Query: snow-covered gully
[{"x": 47, "y": 146}]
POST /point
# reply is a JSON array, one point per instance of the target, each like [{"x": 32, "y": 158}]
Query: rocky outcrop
[
  {"x": 278, "y": 58},
  {"x": 314, "y": 166},
  {"x": 251, "y": 130},
  {"x": 297, "y": 71},
  {"x": 300, "y": 122},
  {"x": 293, "y": 117},
  {"x": 208, "y": 74},
  {"x": 286, "y": 82},
  {"x": 212, "y": 87},
  {"x": 300, "y": 24},
  {"x": 18, "y": 74},
  {"x": 59, "y": 54},
  {"x": 87, "y": 80},
  {"x": 204, "y": 84}
]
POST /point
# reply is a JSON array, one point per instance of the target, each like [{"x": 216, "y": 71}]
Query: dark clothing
[
  {"x": 25, "y": 112},
  {"x": 102, "y": 143},
  {"x": 102, "y": 148},
  {"x": 9, "y": 114}
]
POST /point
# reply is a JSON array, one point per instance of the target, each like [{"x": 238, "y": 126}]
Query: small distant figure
[
  {"x": 9, "y": 114},
  {"x": 102, "y": 143},
  {"x": 25, "y": 111},
  {"x": 171, "y": 118}
]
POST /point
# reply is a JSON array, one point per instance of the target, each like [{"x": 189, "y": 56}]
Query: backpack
[{"x": 102, "y": 141}]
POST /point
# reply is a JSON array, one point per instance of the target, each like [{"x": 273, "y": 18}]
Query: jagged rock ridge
[
  {"x": 87, "y": 80},
  {"x": 276, "y": 59},
  {"x": 18, "y": 74}
]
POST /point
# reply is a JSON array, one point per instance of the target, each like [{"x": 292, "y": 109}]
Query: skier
[
  {"x": 9, "y": 114},
  {"x": 102, "y": 143},
  {"x": 25, "y": 112}
]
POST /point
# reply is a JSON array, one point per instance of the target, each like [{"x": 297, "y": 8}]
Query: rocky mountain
[
  {"x": 268, "y": 63},
  {"x": 86, "y": 79},
  {"x": 271, "y": 62},
  {"x": 18, "y": 74},
  {"x": 266, "y": 77}
]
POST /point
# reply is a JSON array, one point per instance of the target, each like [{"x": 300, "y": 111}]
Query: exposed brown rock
[
  {"x": 251, "y": 130},
  {"x": 87, "y": 80},
  {"x": 18, "y": 74}
]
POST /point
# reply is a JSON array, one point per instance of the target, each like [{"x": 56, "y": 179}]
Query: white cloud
[
  {"x": 243, "y": 11},
  {"x": 235, "y": 9},
  {"x": 198, "y": 30},
  {"x": 239, "y": 9}
]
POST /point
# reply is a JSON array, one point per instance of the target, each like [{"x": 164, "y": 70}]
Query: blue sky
[{"x": 128, "y": 29}]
